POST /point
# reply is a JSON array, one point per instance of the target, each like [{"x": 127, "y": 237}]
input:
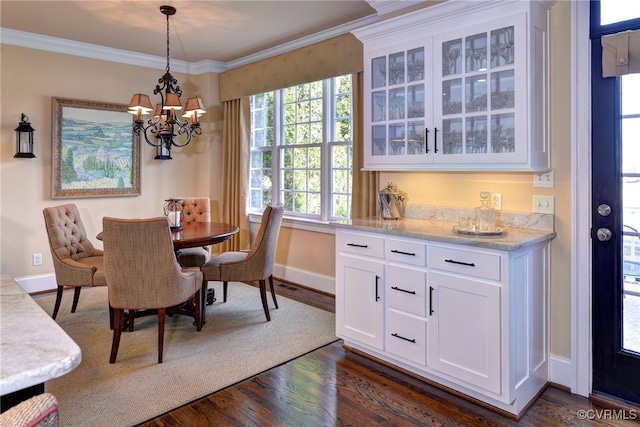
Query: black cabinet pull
[
  {"x": 403, "y": 338},
  {"x": 357, "y": 246},
  {"x": 430, "y": 300},
  {"x": 435, "y": 139},
  {"x": 426, "y": 139},
  {"x": 403, "y": 253},
  {"x": 377, "y": 295},
  {"x": 468, "y": 264},
  {"x": 395, "y": 288}
]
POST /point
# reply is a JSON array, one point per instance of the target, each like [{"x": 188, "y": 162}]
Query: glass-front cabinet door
[
  {"x": 481, "y": 83},
  {"x": 447, "y": 88},
  {"x": 399, "y": 100}
]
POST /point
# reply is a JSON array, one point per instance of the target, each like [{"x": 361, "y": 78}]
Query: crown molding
[
  {"x": 384, "y": 7},
  {"x": 87, "y": 50}
]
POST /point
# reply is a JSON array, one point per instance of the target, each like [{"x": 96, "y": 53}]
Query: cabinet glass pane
[
  {"x": 415, "y": 64},
  {"x": 396, "y": 104},
  {"x": 379, "y": 140},
  {"x": 396, "y": 68},
  {"x": 476, "y": 53},
  {"x": 452, "y": 136},
  {"x": 502, "y": 47},
  {"x": 476, "y": 93},
  {"x": 452, "y": 96},
  {"x": 415, "y": 138},
  {"x": 503, "y": 132},
  {"x": 502, "y": 90},
  {"x": 396, "y": 140},
  {"x": 415, "y": 101},
  {"x": 476, "y": 135},
  {"x": 451, "y": 59},
  {"x": 378, "y": 72},
  {"x": 379, "y": 106}
]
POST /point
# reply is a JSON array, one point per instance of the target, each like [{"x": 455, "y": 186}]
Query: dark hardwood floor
[{"x": 334, "y": 387}]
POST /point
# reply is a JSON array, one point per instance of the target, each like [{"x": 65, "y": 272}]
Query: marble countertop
[
  {"x": 34, "y": 348},
  {"x": 442, "y": 231}
]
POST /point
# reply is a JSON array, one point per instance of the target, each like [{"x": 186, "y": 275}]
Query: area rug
[{"x": 236, "y": 343}]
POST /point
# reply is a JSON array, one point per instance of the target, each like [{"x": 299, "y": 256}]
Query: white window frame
[{"x": 295, "y": 219}]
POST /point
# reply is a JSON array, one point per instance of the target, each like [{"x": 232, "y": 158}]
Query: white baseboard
[
  {"x": 311, "y": 280},
  {"x": 41, "y": 283},
  {"x": 560, "y": 371}
]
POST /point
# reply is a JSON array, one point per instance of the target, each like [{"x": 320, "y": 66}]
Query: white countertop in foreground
[
  {"x": 34, "y": 348},
  {"x": 442, "y": 231}
]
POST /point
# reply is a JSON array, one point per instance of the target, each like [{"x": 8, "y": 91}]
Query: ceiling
[{"x": 201, "y": 30}]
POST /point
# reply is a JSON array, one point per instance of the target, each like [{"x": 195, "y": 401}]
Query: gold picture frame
[{"x": 94, "y": 150}]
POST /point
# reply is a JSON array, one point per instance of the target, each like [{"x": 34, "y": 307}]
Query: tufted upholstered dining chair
[
  {"x": 257, "y": 264},
  {"x": 195, "y": 209},
  {"x": 143, "y": 274},
  {"x": 75, "y": 261}
]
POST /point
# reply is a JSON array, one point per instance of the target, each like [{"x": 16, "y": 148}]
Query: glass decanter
[{"x": 485, "y": 215}]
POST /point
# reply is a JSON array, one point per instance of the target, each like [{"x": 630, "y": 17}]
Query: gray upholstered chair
[
  {"x": 143, "y": 274},
  {"x": 75, "y": 261},
  {"x": 195, "y": 209},
  {"x": 257, "y": 264}
]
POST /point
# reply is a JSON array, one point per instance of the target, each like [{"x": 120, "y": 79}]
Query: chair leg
[
  {"x": 110, "y": 317},
  {"x": 56, "y": 307},
  {"x": 130, "y": 318},
  {"x": 118, "y": 323},
  {"x": 199, "y": 310},
  {"x": 161, "y": 316},
  {"x": 263, "y": 296},
  {"x": 273, "y": 292},
  {"x": 76, "y": 297},
  {"x": 224, "y": 291}
]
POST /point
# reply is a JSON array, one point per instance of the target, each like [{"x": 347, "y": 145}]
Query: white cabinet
[
  {"x": 360, "y": 313},
  {"x": 470, "y": 318},
  {"x": 472, "y": 98}
]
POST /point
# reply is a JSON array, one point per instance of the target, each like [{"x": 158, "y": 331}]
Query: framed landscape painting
[{"x": 94, "y": 151}]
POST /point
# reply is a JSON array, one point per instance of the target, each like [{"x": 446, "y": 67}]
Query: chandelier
[{"x": 163, "y": 129}]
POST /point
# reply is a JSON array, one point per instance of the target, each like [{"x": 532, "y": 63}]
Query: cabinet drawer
[
  {"x": 407, "y": 337},
  {"x": 413, "y": 253},
  {"x": 472, "y": 263},
  {"x": 406, "y": 289},
  {"x": 363, "y": 244}
]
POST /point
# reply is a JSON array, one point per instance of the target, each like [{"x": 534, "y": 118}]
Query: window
[{"x": 301, "y": 149}]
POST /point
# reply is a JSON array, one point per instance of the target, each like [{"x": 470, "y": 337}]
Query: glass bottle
[{"x": 485, "y": 215}]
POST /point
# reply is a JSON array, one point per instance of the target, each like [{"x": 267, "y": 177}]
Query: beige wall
[
  {"x": 29, "y": 79},
  {"x": 29, "y": 83}
]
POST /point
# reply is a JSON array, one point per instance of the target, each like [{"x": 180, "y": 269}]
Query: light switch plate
[
  {"x": 543, "y": 179},
  {"x": 544, "y": 204}
]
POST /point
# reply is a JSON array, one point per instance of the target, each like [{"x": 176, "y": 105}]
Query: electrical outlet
[
  {"x": 544, "y": 204},
  {"x": 543, "y": 179},
  {"x": 496, "y": 201},
  {"x": 37, "y": 259}
]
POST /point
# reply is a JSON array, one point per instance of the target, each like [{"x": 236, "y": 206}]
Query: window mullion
[{"x": 278, "y": 139}]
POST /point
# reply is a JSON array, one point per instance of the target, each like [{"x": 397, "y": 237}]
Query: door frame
[{"x": 581, "y": 316}]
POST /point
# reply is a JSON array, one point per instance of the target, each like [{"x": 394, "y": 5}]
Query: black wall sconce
[{"x": 24, "y": 139}]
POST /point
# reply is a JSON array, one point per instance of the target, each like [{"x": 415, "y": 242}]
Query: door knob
[
  {"x": 604, "y": 209},
  {"x": 603, "y": 234}
]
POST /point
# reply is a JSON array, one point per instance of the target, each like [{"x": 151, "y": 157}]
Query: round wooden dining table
[{"x": 194, "y": 234}]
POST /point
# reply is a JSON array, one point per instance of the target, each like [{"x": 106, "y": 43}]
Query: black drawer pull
[
  {"x": 377, "y": 280},
  {"x": 468, "y": 264},
  {"x": 430, "y": 300},
  {"x": 403, "y": 253},
  {"x": 403, "y": 338},
  {"x": 357, "y": 246},
  {"x": 395, "y": 288}
]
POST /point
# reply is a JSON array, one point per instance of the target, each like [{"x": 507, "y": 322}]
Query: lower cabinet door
[
  {"x": 360, "y": 300},
  {"x": 407, "y": 336},
  {"x": 464, "y": 330}
]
